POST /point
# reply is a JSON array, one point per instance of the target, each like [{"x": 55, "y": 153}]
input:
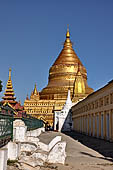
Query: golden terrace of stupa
[{"x": 66, "y": 72}]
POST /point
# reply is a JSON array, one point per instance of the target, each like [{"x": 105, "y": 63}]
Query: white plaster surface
[
  {"x": 43, "y": 146},
  {"x": 42, "y": 129},
  {"x": 13, "y": 150},
  {"x": 18, "y": 122},
  {"x": 32, "y": 139},
  {"x": 57, "y": 154},
  {"x": 35, "y": 132},
  {"x": 54, "y": 141},
  {"x": 19, "y": 131},
  {"x": 3, "y": 158},
  {"x": 63, "y": 119},
  {"x": 40, "y": 155},
  {"x": 48, "y": 147},
  {"x": 28, "y": 147}
]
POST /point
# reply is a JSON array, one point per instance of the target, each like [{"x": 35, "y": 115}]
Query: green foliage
[{"x": 1, "y": 86}]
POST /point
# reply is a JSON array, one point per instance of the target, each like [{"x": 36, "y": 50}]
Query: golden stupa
[
  {"x": 63, "y": 73},
  {"x": 66, "y": 72}
]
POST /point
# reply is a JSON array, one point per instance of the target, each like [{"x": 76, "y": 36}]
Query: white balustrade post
[{"x": 3, "y": 158}]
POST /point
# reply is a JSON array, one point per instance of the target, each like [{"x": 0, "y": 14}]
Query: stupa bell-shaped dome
[
  {"x": 67, "y": 55},
  {"x": 63, "y": 72}
]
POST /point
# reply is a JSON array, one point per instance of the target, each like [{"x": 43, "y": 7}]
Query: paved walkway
[{"x": 79, "y": 156}]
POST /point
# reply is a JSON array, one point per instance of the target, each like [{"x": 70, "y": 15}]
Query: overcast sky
[{"x": 32, "y": 33}]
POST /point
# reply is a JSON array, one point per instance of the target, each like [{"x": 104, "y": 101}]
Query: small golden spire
[
  {"x": 9, "y": 73},
  {"x": 79, "y": 83},
  {"x": 35, "y": 90},
  {"x": 67, "y": 34}
]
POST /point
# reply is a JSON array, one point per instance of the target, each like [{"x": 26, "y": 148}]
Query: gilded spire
[
  {"x": 35, "y": 90},
  {"x": 67, "y": 34},
  {"x": 35, "y": 93},
  {"x": 79, "y": 83},
  {"x": 68, "y": 42},
  {"x": 9, "y": 92},
  {"x": 9, "y": 73}
]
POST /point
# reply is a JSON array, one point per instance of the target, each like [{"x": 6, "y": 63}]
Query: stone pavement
[{"x": 79, "y": 156}]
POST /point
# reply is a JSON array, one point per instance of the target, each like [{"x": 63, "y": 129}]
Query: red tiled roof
[{"x": 18, "y": 106}]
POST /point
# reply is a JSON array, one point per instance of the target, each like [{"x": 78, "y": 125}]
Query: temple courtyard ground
[{"x": 83, "y": 152}]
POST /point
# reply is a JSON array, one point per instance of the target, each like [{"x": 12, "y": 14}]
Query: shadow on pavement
[
  {"x": 105, "y": 148},
  {"x": 104, "y": 158}
]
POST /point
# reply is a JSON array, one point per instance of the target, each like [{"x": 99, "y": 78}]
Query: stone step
[{"x": 50, "y": 145}]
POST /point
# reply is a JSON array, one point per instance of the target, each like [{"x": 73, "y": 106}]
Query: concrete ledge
[
  {"x": 28, "y": 147},
  {"x": 47, "y": 148},
  {"x": 54, "y": 142},
  {"x": 32, "y": 139},
  {"x": 35, "y": 133},
  {"x": 43, "y": 146},
  {"x": 57, "y": 154}
]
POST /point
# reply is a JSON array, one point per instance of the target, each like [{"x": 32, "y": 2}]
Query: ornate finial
[
  {"x": 9, "y": 73},
  {"x": 35, "y": 90},
  {"x": 67, "y": 34},
  {"x": 35, "y": 85}
]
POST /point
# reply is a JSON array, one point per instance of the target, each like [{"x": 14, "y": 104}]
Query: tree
[{"x": 1, "y": 86}]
